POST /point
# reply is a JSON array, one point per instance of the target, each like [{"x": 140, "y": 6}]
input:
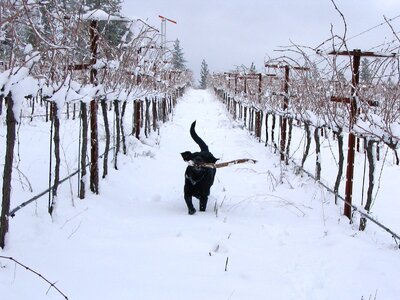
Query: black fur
[{"x": 198, "y": 180}]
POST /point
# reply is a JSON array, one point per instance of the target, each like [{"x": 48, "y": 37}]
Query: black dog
[{"x": 198, "y": 179}]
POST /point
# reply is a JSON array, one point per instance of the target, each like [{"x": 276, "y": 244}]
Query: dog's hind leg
[
  {"x": 189, "y": 203},
  {"x": 203, "y": 203}
]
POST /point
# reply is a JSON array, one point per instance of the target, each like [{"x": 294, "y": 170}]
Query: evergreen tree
[
  {"x": 252, "y": 69},
  {"x": 341, "y": 78},
  {"x": 112, "y": 31},
  {"x": 109, "y": 6},
  {"x": 178, "y": 61},
  {"x": 365, "y": 73},
  {"x": 390, "y": 81},
  {"x": 204, "y": 72}
]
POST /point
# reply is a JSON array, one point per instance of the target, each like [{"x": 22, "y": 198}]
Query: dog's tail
[{"x": 197, "y": 139}]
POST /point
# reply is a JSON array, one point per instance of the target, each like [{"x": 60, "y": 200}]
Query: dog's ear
[
  {"x": 209, "y": 158},
  {"x": 187, "y": 155},
  {"x": 213, "y": 159}
]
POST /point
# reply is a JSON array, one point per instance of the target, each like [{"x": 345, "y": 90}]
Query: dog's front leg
[
  {"x": 189, "y": 203},
  {"x": 203, "y": 203}
]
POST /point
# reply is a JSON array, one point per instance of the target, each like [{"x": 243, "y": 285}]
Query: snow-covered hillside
[{"x": 267, "y": 234}]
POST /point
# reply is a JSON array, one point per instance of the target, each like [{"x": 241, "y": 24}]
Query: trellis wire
[
  {"x": 395, "y": 236},
  {"x": 16, "y": 209}
]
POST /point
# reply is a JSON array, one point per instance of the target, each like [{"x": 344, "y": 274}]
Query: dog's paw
[{"x": 192, "y": 211}]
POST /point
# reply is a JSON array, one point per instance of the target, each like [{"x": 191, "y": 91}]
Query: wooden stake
[{"x": 225, "y": 164}]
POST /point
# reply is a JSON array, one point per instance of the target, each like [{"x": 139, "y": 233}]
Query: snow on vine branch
[{"x": 47, "y": 49}]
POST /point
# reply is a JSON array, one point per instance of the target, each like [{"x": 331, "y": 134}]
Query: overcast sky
[{"x": 229, "y": 33}]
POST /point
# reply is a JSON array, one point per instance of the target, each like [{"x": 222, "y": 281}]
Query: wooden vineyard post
[
  {"x": 84, "y": 121},
  {"x": 137, "y": 120},
  {"x": 164, "y": 109},
  {"x": 232, "y": 76},
  {"x": 258, "y": 121},
  {"x": 94, "y": 142},
  {"x": 355, "y": 79},
  {"x": 236, "y": 81},
  {"x": 285, "y": 108},
  {"x": 56, "y": 141},
  {"x": 8, "y": 167},
  {"x": 255, "y": 115},
  {"x": 154, "y": 108},
  {"x": 108, "y": 137}
]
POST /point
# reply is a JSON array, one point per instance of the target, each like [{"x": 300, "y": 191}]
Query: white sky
[{"x": 228, "y": 33}]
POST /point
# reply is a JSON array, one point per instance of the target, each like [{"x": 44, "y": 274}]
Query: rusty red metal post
[
  {"x": 352, "y": 138},
  {"x": 236, "y": 81},
  {"x": 94, "y": 153},
  {"x": 355, "y": 79},
  {"x": 285, "y": 107}
]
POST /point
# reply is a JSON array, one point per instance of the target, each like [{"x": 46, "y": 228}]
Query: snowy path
[{"x": 136, "y": 240}]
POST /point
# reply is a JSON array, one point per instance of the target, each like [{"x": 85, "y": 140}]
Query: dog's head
[{"x": 199, "y": 158}]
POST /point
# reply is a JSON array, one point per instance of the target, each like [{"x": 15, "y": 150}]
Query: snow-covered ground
[{"x": 267, "y": 234}]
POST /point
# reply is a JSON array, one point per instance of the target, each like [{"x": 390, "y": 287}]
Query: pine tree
[
  {"x": 178, "y": 61},
  {"x": 365, "y": 74},
  {"x": 204, "y": 72},
  {"x": 341, "y": 78},
  {"x": 252, "y": 69},
  {"x": 109, "y": 6},
  {"x": 113, "y": 31}
]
